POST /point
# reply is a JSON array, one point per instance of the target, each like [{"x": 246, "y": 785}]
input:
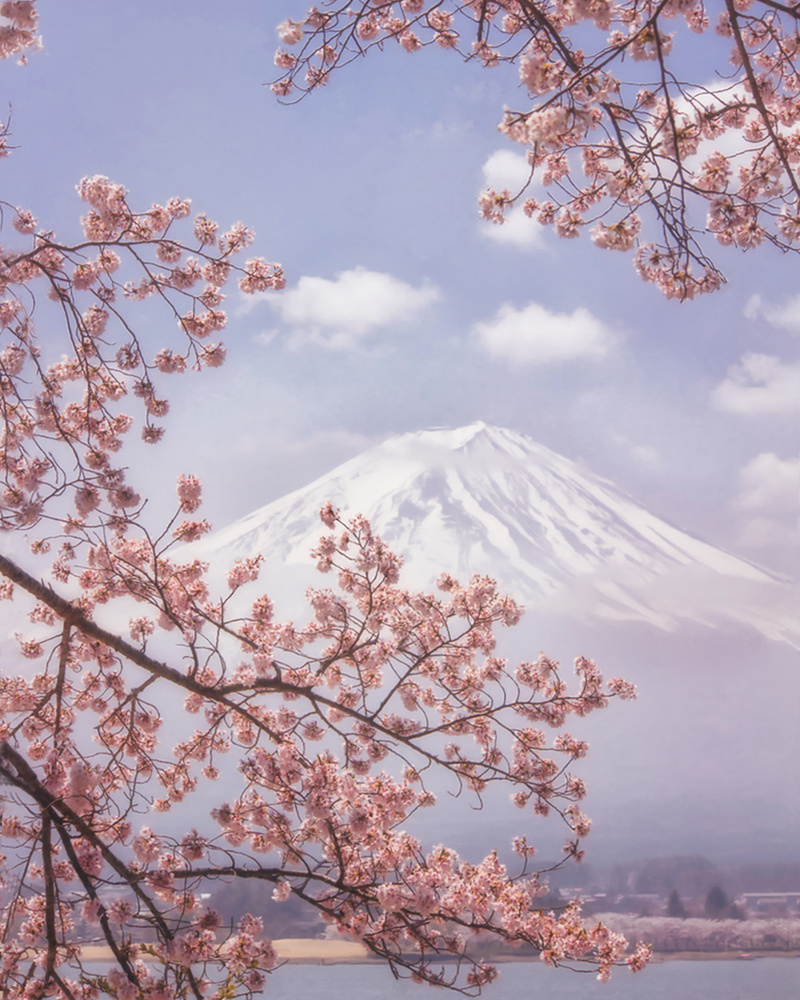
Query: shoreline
[{"x": 321, "y": 951}]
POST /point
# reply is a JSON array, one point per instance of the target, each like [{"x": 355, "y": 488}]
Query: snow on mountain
[{"x": 481, "y": 499}]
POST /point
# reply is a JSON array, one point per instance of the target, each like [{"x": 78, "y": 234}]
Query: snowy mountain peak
[
  {"x": 474, "y": 438},
  {"x": 484, "y": 499}
]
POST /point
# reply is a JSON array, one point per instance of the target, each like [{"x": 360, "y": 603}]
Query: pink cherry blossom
[
  {"x": 144, "y": 684},
  {"x": 655, "y": 152}
]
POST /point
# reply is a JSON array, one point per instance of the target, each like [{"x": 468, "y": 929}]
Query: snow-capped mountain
[
  {"x": 481, "y": 499},
  {"x": 705, "y": 761}
]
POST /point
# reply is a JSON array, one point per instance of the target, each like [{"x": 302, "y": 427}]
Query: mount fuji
[
  {"x": 705, "y": 761},
  {"x": 481, "y": 499}
]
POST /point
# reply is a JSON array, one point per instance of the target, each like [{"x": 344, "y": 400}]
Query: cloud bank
[
  {"x": 770, "y": 483},
  {"x": 536, "y": 336},
  {"x": 759, "y": 385},
  {"x": 785, "y": 316},
  {"x": 341, "y": 313}
]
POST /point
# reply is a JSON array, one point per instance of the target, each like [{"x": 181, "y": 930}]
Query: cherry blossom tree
[
  {"x": 618, "y": 140},
  {"x": 698, "y": 934},
  {"x": 330, "y": 735}
]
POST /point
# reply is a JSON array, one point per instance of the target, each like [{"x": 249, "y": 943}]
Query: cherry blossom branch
[
  {"x": 16, "y": 771},
  {"x": 581, "y": 93},
  {"x": 379, "y": 679},
  {"x": 755, "y": 91}
]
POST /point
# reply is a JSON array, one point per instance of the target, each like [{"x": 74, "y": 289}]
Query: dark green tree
[
  {"x": 675, "y": 907},
  {"x": 716, "y": 904}
]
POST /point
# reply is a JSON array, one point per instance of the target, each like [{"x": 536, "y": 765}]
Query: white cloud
[
  {"x": 536, "y": 336},
  {"x": 759, "y": 384},
  {"x": 508, "y": 171},
  {"x": 785, "y": 316},
  {"x": 340, "y": 313},
  {"x": 769, "y": 483},
  {"x": 517, "y": 230}
]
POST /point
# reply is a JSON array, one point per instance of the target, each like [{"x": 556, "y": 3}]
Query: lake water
[{"x": 761, "y": 979}]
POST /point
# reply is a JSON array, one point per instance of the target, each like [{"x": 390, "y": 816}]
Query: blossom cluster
[
  {"x": 329, "y": 735},
  {"x": 62, "y": 418},
  {"x": 18, "y": 32},
  {"x": 612, "y": 135},
  {"x": 338, "y": 726}
]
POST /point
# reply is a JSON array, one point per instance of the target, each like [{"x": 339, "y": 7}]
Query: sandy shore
[
  {"x": 321, "y": 951},
  {"x": 300, "y": 950},
  {"x": 308, "y": 950}
]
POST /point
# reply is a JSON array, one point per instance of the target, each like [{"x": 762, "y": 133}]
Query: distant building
[{"x": 770, "y": 903}]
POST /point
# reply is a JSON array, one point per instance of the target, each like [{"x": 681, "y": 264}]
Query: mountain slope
[{"x": 481, "y": 499}]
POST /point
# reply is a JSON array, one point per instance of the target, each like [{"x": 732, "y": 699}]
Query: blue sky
[{"x": 403, "y": 311}]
